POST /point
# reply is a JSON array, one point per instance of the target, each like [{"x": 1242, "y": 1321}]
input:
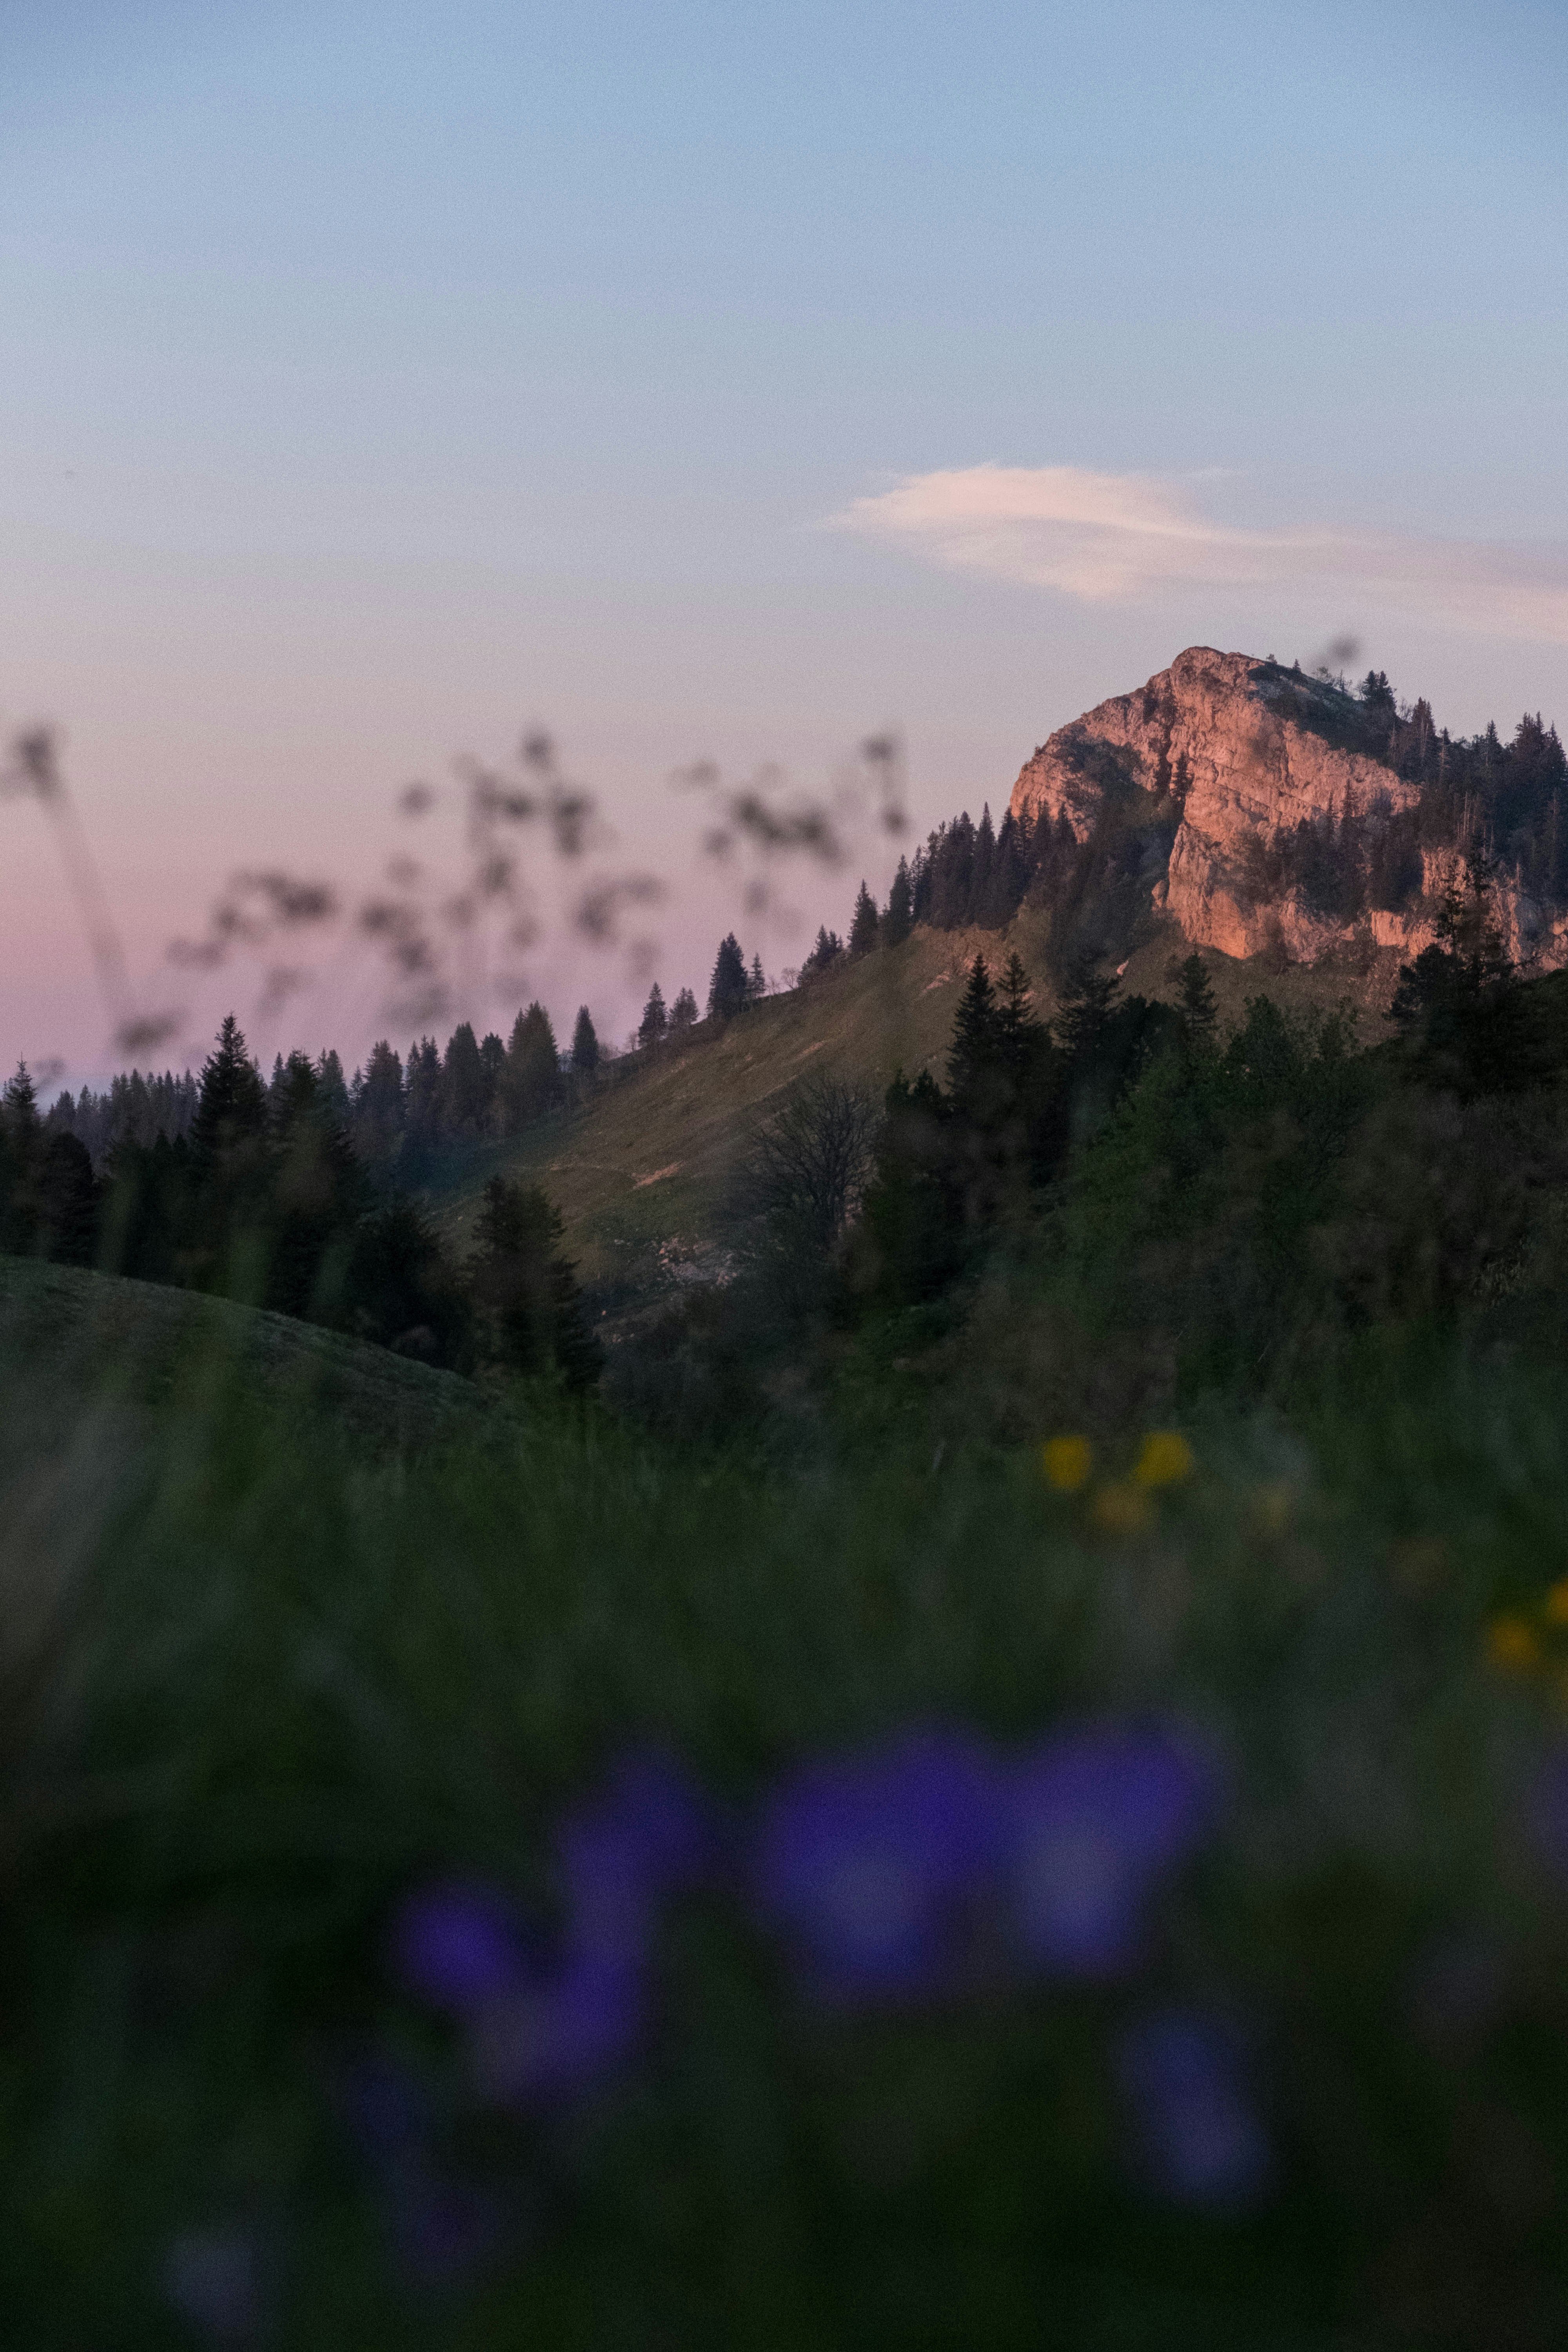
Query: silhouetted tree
[
  {"x": 898, "y": 921},
  {"x": 654, "y": 1022},
  {"x": 727, "y": 991},
  {"x": 864, "y": 925},
  {"x": 532, "y": 1083},
  {"x": 585, "y": 1044},
  {"x": 527, "y": 1305},
  {"x": 682, "y": 1014}
]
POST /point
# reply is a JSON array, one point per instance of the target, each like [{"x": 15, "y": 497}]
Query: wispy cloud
[{"x": 1107, "y": 536}]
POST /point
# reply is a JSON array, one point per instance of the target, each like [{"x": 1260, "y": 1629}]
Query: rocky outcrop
[{"x": 1217, "y": 759}]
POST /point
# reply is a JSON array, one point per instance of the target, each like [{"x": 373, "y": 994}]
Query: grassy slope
[
  {"x": 72, "y": 1333},
  {"x": 645, "y": 1160}
]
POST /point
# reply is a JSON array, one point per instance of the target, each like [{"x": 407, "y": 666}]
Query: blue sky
[{"x": 381, "y": 378}]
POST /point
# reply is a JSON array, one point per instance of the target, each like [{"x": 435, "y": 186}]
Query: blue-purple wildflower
[
  {"x": 874, "y": 1865},
  {"x": 1198, "y": 2139},
  {"x": 455, "y": 1943},
  {"x": 1098, "y": 1817}
]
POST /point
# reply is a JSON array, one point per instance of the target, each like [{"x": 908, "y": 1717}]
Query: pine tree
[
  {"x": 1195, "y": 1002},
  {"x": 898, "y": 920},
  {"x": 226, "y": 1239},
  {"x": 493, "y": 1068},
  {"x": 980, "y": 873},
  {"x": 525, "y": 1295},
  {"x": 829, "y": 947},
  {"x": 422, "y": 1098},
  {"x": 756, "y": 981},
  {"x": 532, "y": 1083},
  {"x": 231, "y": 1109},
  {"x": 585, "y": 1044},
  {"x": 378, "y": 1104},
  {"x": 654, "y": 1022},
  {"x": 727, "y": 989},
  {"x": 864, "y": 925},
  {"x": 463, "y": 1085},
  {"x": 683, "y": 1013},
  {"x": 330, "y": 1070},
  {"x": 974, "y": 1054},
  {"x": 1084, "y": 1013}
]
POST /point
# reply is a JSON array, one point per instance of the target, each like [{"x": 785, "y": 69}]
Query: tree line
[{"x": 267, "y": 1198}]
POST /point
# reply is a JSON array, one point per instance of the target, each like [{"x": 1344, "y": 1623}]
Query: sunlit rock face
[{"x": 1221, "y": 756}]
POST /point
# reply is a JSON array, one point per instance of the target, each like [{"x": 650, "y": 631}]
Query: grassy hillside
[
  {"x": 66, "y": 1334},
  {"x": 646, "y": 1159}
]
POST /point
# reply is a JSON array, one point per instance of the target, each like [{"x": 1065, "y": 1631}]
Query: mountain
[{"x": 1266, "y": 812}]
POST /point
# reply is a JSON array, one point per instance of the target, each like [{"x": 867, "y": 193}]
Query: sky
[{"x": 381, "y": 381}]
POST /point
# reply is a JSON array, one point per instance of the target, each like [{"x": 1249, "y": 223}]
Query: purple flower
[
  {"x": 648, "y": 1833},
  {"x": 645, "y": 1835},
  {"x": 1199, "y": 2138},
  {"x": 1097, "y": 1818},
  {"x": 564, "y": 2031},
  {"x": 456, "y": 1945},
  {"x": 872, "y": 1864}
]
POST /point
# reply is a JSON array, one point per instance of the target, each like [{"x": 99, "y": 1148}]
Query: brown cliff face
[{"x": 1219, "y": 755}]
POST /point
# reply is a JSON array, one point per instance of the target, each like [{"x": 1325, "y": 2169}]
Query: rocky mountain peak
[{"x": 1271, "y": 811}]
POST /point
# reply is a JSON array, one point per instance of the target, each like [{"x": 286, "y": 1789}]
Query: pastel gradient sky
[{"x": 732, "y": 381}]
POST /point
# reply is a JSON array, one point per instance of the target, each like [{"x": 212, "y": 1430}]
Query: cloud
[{"x": 1104, "y": 538}]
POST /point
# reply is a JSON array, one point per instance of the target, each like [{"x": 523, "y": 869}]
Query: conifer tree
[
  {"x": 463, "y": 1084},
  {"x": 654, "y": 1022},
  {"x": 829, "y": 947},
  {"x": 1084, "y": 1014},
  {"x": 493, "y": 1068},
  {"x": 231, "y": 1109},
  {"x": 864, "y": 926},
  {"x": 756, "y": 981},
  {"x": 727, "y": 991},
  {"x": 532, "y": 1083},
  {"x": 682, "y": 1014},
  {"x": 977, "y": 1078},
  {"x": 422, "y": 1097},
  {"x": 525, "y": 1295},
  {"x": 378, "y": 1108},
  {"x": 1195, "y": 1002},
  {"x": 585, "y": 1044},
  {"x": 898, "y": 921}
]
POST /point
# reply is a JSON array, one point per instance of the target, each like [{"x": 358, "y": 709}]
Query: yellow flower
[
  {"x": 1511, "y": 1643},
  {"x": 1068, "y": 1461},
  {"x": 1165, "y": 1459},
  {"x": 1554, "y": 1608},
  {"x": 1120, "y": 1510}
]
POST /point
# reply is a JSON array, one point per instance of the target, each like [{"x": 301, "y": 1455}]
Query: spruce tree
[
  {"x": 864, "y": 926},
  {"x": 974, "y": 1058},
  {"x": 492, "y": 1069},
  {"x": 531, "y": 1082},
  {"x": 585, "y": 1044},
  {"x": 727, "y": 991},
  {"x": 529, "y": 1309},
  {"x": 682, "y": 1014},
  {"x": 756, "y": 981},
  {"x": 898, "y": 920},
  {"x": 463, "y": 1085},
  {"x": 829, "y": 947},
  {"x": 654, "y": 1022},
  {"x": 378, "y": 1105},
  {"x": 231, "y": 1109},
  {"x": 422, "y": 1098},
  {"x": 1195, "y": 1002}
]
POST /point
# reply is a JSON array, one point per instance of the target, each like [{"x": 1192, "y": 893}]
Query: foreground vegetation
[{"x": 999, "y": 1779}]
